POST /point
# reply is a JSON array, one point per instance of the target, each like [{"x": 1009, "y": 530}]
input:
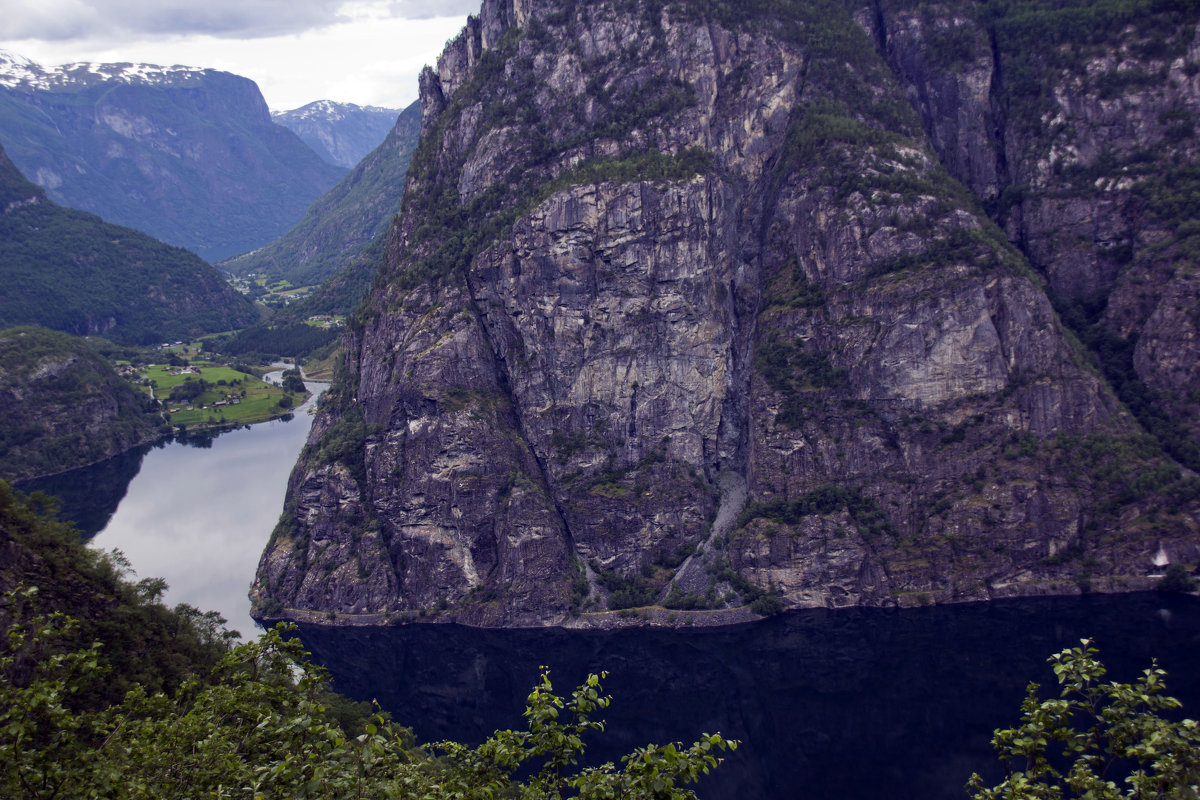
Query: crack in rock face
[{"x": 689, "y": 319}]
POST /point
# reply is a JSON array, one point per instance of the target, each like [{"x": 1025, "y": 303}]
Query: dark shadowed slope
[{"x": 72, "y": 271}]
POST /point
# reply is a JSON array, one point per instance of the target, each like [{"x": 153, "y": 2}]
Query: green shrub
[
  {"x": 1177, "y": 579},
  {"x": 767, "y": 605}
]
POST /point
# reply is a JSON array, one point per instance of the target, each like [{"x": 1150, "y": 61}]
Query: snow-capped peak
[
  {"x": 19, "y": 71},
  {"x": 330, "y": 110},
  {"x": 16, "y": 69}
]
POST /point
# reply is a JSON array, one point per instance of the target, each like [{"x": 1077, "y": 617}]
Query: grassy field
[{"x": 244, "y": 398}]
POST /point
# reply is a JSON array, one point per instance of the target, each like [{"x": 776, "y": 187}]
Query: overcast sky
[{"x": 358, "y": 51}]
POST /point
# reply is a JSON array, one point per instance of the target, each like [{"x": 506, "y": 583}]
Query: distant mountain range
[
  {"x": 190, "y": 156},
  {"x": 72, "y": 271},
  {"x": 341, "y": 133},
  {"x": 339, "y": 227}
]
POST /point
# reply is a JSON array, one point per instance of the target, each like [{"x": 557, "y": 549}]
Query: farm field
[{"x": 215, "y": 395}]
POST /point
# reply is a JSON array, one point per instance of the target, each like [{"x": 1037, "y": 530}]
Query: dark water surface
[
  {"x": 90, "y": 495},
  {"x": 866, "y": 703},
  {"x": 859, "y": 703}
]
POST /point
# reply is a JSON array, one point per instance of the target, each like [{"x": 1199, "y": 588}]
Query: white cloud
[
  {"x": 360, "y": 51},
  {"x": 58, "y": 20},
  {"x": 428, "y": 9},
  {"x": 51, "y": 20}
]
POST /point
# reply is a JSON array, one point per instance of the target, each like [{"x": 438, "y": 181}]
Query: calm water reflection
[
  {"x": 90, "y": 496},
  {"x": 866, "y": 703},
  {"x": 197, "y": 513}
]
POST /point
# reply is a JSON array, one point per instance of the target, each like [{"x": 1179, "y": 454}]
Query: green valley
[{"x": 204, "y": 394}]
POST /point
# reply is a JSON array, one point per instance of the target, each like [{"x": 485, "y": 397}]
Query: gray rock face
[
  {"x": 1086, "y": 151},
  {"x": 684, "y": 310}
]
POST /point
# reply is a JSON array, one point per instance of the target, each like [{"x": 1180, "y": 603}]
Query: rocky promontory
[{"x": 698, "y": 311}]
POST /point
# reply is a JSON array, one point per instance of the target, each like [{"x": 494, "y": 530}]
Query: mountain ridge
[
  {"x": 342, "y": 223},
  {"x": 342, "y": 133},
  {"x": 17, "y": 71},
  {"x": 190, "y": 156}
]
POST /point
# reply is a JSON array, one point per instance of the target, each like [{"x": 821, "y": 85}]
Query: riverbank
[{"x": 203, "y": 395}]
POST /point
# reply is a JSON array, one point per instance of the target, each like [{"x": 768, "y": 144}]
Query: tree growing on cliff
[{"x": 1094, "y": 734}]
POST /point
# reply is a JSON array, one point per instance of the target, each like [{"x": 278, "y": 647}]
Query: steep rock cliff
[
  {"x": 682, "y": 309},
  {"x": 1076, "y": 124}
]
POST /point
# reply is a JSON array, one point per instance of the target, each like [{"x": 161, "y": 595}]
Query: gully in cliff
[{"x": 690, "y": 316}]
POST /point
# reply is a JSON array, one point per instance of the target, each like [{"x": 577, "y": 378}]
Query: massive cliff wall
[
  {"x": 684, "y": 309},
  {"x": 1076, "y": 125}
]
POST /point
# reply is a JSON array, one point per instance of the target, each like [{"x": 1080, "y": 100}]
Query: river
[
  {"x": 196, "y": 513},
  {"x": 854, "y": 704}
]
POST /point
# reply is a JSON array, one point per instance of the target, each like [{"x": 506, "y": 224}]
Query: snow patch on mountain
[
  {"x": 330, "y": 110},
  {"x": 19, "y": 72}
]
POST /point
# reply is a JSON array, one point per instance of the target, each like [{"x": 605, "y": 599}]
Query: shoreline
[
  {"x": 661, "y": 617},
  {"x": 159, "y": 437}
]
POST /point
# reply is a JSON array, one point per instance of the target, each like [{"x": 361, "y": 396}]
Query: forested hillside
[
  {"x": 63, "y": 406},
  {"x": 72, "y": 271}
]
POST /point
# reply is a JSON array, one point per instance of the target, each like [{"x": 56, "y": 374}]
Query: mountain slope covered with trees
[
  {"x": 63, "y": 406},
  {"x": 72, "y": 271}
]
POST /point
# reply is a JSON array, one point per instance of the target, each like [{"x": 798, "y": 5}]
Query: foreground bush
[
  {"x": 257, "y": 727},
  {"x": 1097, "y": 740}
]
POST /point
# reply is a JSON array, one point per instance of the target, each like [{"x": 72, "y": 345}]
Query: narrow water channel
[{"x": 195, "y": 513}]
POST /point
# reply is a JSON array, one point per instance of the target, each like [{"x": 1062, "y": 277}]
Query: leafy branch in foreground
[
  {"x": 1094, "y": 733},
  {"x": 257, "y": 727}
]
